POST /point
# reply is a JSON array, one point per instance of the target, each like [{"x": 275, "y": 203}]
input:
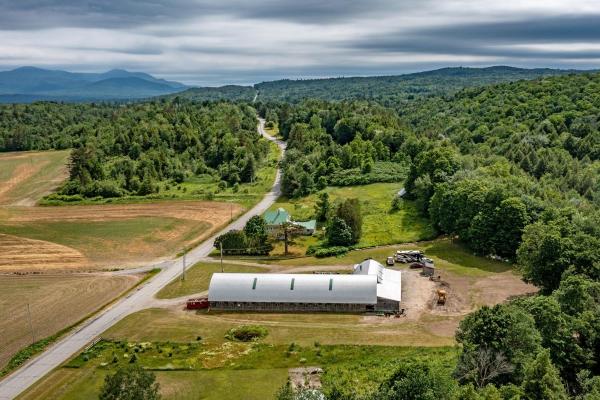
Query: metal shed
[{"x": 292, "y": 292}]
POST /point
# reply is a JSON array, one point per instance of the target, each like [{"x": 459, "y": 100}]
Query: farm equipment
[
  {"x": 441, "y": 294},
  {"x": 197, "y": 304}
]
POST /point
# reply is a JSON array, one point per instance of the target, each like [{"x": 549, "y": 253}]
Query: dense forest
[
  {"x": 513, "y": 171},
  {"x": 123, "y": 150}
]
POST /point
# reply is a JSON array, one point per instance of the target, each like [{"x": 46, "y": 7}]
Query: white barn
[{"x": 370, "y": 288}]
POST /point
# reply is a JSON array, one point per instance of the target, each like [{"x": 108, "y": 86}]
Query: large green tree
[{"x": 131, "y": 383}]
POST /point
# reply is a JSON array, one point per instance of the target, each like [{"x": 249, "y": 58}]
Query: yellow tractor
[{"x": 441, "y": 294}]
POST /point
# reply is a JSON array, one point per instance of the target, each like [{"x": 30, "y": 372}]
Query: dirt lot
[
  {"x": 56, "y": 301},
  {"x": 84, "y": 237}
]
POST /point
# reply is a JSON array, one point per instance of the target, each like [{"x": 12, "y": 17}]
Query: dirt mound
[{"x": 18, "y": 253}]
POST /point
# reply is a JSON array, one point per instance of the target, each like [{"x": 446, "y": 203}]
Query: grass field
[
  {"x": 111, "y": 235},
  {"x": 380, "y": 225},
  {"x": 55, "y": 301},
  {"x": 27, "y": 176},
  {"x": 198, "y": 370},
  {"x": 198, "y": 277}
]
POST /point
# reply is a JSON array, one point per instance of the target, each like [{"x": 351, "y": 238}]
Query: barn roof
[
  {"x": 389, "y": 281},
  {"x": 293, "y": 288}
]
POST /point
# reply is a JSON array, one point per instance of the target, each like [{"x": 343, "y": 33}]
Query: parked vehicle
[
  {"x": 197, "y": 304},
  {"x": 389, "y": 261}
]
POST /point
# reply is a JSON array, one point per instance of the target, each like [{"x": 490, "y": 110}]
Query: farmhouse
[
  {"x": 275, "y": 220},
  {"x": 370, "y": 288}
]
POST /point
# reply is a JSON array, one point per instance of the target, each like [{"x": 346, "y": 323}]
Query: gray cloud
[
  {"x": 36, "y": 14},
  {"x": 245, "y": 41},
  {"x": 496, "y": 39}
]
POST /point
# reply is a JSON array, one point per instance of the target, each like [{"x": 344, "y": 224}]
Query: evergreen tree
[
  {"x": 339, "y": 233},
  {"x": 541, "y": 380},
  {"x": 322, "y": 207}
]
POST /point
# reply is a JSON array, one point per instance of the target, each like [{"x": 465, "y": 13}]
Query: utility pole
[
  {"x": 221, "y": 247},
  {"x": 30, "y": 324},
  {"x": 183, "y": 267}
]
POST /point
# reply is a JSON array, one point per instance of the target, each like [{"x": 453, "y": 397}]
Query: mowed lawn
[
  {"x": 55, "y": 302},
  {"x": 197, "y": 279},
  {"x": 380, "y": 225},
  {"x": 27, "y": 176}
]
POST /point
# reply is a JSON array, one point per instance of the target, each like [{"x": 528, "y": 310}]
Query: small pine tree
[{"x": 322, "y": 207}]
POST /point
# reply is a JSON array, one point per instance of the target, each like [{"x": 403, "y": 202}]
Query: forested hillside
[
  {"x": 390, "y": 90},
  {"x": 127, "y": 149},
  {"x": 396, "y": 89}
]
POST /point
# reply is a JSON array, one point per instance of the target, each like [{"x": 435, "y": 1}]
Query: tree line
[{"x": 121, "y": 150}]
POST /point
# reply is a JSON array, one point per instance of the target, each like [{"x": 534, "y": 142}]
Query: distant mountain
[
  {"x": 229, "y": 92},
  {"x": 28, "y": 84},
  {"x": 395, "y": 89},
  {"x": 390, "y": 90}
]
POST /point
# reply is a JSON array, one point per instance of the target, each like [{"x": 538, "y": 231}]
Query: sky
[{"x": 216, "y": 42}]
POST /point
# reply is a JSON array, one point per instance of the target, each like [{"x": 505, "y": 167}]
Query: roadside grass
[
  {"x": 192, "y": 370},
  {"x": 198, "y": 277},
  {"x": 117, "y": 241},
  {"x": 381, "y": 226},
  {"x": 27, "y": 176}
]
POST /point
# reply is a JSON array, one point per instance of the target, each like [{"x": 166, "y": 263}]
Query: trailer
[
  {"x": 409, "y": 256},
  {"x": 197, "y": 303}
]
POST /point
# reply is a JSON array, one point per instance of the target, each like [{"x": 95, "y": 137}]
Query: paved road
[{"x": 61, "y": 351}]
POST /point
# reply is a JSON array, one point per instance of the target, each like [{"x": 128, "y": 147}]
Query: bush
[
  {"x": 331, "y": 251},
  {"x": 247, "y": 333}
]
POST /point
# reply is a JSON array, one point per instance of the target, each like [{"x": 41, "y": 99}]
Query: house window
[{"x": 292, "y": 284}]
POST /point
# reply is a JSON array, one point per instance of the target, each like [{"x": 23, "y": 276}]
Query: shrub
[
  {"x": 247, "y": 333},
  {"x": 331, "y": 251}
]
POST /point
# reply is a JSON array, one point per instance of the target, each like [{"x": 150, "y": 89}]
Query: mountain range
[{"x": 28, "y": 84}]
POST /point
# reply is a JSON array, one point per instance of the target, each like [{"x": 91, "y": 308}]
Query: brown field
[
  {"x": 92, "y": 236},
  {"x": 56, "y": 301},
  {"x": 27, "y": 176}
]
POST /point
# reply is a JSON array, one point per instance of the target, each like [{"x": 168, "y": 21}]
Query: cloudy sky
[{"x": 214, "y": 42}]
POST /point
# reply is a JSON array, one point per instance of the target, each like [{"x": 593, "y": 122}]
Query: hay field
[
  {"x": 108, "y": 235},
  {"x": 56, "y": 301},
  {"x": 25, "y": 177}
]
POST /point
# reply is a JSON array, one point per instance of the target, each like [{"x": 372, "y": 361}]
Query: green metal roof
[
  {"x": 312, "y": 224},
  {"x": 276, "y": 217}
]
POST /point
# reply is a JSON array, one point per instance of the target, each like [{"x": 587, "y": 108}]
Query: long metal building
[{"x": 369, "y": 288}]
